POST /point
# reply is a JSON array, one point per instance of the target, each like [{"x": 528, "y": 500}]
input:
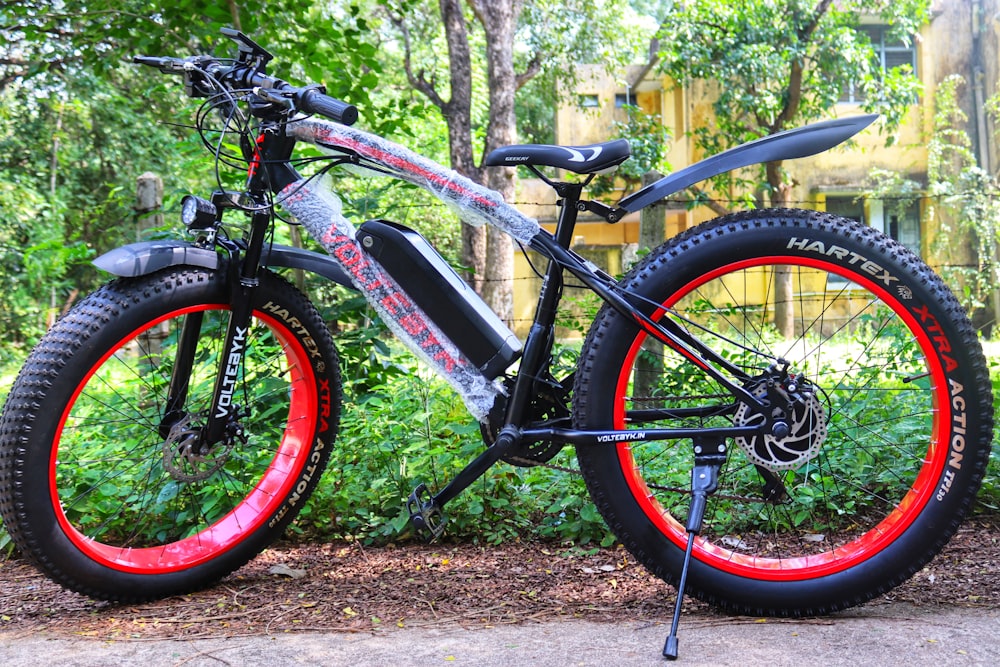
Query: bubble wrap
[
  {"x": 474, "y": 203},
  {"x": 319, "y": 211}
]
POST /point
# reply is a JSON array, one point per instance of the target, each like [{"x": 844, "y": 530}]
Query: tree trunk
[
  {"x": 457, "y": 112},
  {"x": 784, "y": 304},
  {"x": 487, "y": 254},
  {"x": 499, "y": 19},
  {"x": 649, "y": 364}
]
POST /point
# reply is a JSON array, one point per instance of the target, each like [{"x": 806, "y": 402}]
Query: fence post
[
  {"x": 148, "y": 203},
  {"x": 149, "y": 215},
  {"x": 652, "y": 219}
]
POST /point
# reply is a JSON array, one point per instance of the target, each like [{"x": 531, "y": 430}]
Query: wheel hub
[
  {"x": 791, "y": 430},
  {"x": 182, "y": 457}
]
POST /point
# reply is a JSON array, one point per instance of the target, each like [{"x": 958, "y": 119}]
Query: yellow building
[{"x": 961, "y": 37}]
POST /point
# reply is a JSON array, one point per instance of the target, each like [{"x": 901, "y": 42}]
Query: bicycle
[{"x": 170, "y": 426}]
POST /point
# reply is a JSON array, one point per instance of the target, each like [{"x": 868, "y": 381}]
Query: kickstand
[{"x": 708, "y": 461}]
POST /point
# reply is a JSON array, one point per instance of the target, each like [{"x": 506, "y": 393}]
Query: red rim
[
  {"x": 260, "y": 503},
  {"x": 815, "y": 565}
]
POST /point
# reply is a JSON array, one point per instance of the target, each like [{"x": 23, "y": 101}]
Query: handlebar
[{"x": 241, "y": 75}]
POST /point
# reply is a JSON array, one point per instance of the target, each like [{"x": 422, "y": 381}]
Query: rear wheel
[
  {"x": 879, "y": 456},
  {"x": 106, "y": 489}
]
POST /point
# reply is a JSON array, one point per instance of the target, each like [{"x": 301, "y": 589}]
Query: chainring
[{"x": 549, "y": 404}]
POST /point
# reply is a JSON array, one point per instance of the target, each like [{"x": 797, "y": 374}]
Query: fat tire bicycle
[{"x": 172, "y": 424}]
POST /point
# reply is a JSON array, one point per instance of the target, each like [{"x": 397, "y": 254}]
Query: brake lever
[{"x": 166, "y": 64}]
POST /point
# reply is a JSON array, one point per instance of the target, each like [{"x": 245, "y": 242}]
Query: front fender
[{"x": 140, "y": 259}]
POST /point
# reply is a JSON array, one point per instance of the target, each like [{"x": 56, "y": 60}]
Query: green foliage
[
  {"x": 778, "y": 64},
  {"x": 649, "y": 142},
  {"x": 422, "y": 433},
  {"x": 964, "y": 199},
  {"x": 79, "y": 123},
  {"x": 989, "y": 496},
  {"x": 66, "y": 167},
  {"x": 401, "y": 426}
]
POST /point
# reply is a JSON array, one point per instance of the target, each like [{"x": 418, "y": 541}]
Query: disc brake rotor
[
  {"x": 806, "y": 430},
  {"x": 181, "y": 459}
]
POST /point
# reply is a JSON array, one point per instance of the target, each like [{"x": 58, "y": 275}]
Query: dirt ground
[{"x": 348, "y": 588}]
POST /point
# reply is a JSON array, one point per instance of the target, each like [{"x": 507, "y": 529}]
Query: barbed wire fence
[{"x": 929, "y": 224}]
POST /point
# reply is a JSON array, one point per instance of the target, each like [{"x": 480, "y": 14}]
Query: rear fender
[{"x": 789, "y": 145}]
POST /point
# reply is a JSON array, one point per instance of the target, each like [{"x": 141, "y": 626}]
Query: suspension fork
[
  {"x": 180, "y": 377},
  {"x": 242, "y": 278},
  {"x": 243, "y": 281}
]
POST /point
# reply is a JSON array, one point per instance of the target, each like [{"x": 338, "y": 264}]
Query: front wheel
[
  {"x": 104, "y": 486},
  {"x": 877, "y": 458}
]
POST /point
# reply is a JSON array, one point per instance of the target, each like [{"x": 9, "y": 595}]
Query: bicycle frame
[
  {"x": 758, "y": 402},
  {"x": 324, "y": 222},
  {"x": 319, "y": 211}
]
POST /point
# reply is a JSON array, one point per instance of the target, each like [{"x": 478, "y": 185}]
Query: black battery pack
[{"x": 461, "y": 315}]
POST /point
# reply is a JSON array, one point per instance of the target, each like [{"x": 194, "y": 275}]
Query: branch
[
  {"x": 798, "y": 68},
  {"x": 530, "y": 71},
  {"x": 479, "y": 9},
  {"x": 652, "y": 58},
  {"x": 703, "y": 197},
  {"x": 234, "y": 12},
  {"x": 818, "y": 14},
  {"x": 12, "y": 69},
  {"x": 418, "y": 80}
]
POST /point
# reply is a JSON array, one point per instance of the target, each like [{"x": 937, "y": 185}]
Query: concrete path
[{"x": 882, "y": 634}]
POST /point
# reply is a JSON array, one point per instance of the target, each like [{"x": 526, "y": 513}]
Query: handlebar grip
[{"x": 313, "y": 101}]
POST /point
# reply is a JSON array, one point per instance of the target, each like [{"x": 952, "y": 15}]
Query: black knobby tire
[
  {"x": 903, "y": 413},
  {"x": 102, "y": 493}
]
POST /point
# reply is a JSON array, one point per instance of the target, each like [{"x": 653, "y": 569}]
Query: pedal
[{"x": 426, "y": 515}]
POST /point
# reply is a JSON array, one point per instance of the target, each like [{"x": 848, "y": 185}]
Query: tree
[
  {"x": 80, "y": 122},
  {"x": 517, "y": 42},
  {"x": 780, "y": 63}
]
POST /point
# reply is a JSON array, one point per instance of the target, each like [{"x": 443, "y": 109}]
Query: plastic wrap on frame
[
  {"x": 475, "y": 204},
  {"x": 319, "y": 211}
]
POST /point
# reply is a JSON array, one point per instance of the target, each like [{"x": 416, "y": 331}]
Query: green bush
[
  {"x": 401, "y": 426},
  {"x": 423, "y": 434},
  {"x": 988, "y": 500}
]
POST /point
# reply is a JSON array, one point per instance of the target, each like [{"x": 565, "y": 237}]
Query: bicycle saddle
[{"x": 590, "y": 159}]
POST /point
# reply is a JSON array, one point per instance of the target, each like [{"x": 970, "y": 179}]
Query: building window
[
  {"x": 899, "y": 219},
  {"x": 902, "y": 222},
  {"x": 623, "y": 100},
  {"x": 846, "y": 206},
  {"x": 890, "y": 53},
  {"x": 588, "y": 101}
]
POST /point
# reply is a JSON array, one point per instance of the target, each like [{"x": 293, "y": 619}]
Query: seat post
[
  {"x": 570, "y": 194},
  {"x": 540, "y": 336}
]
